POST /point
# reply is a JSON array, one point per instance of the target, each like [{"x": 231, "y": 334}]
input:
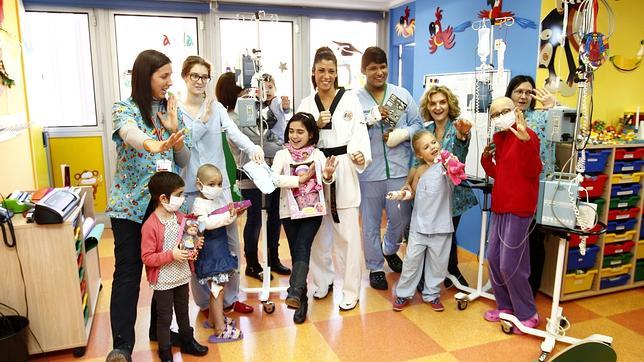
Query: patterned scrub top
[
  {"x": 129, "y": 196},
  {"x": 537, "y": 120},
  {"x": 464, "y": 197},
  {"x": 176, "y": 273}
]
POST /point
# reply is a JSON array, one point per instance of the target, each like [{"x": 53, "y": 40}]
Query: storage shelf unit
[
  {"x": 614, "y": 180},
  {"x": 61, "y": 279}
]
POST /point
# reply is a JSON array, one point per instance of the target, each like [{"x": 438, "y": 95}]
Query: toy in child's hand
[
  {"x": 398, "y": 195},
  {"x": 454, "y": 168},
  {"x": 191, "y": 241},
  {"x": 238, "y": 206}
]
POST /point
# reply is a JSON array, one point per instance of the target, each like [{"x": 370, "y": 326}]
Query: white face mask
[
  {"x": 174, "y": 204},
  {"x": 504, "y": 121},
  {"x": 210, "y": 192}
]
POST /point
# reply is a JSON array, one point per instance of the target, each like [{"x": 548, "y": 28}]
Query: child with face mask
[
  {"x": 216, "y": 264},
  {"x": 167, "y": 267},
  {"x": 514, "y": 164}
]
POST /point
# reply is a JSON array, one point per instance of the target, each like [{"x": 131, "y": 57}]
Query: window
[
  {"x": 175, "y": 37},
  {"x": 60, "y": 85},
  {"x": 276, "y": 44},
  {"x": 347, "y": 46}
]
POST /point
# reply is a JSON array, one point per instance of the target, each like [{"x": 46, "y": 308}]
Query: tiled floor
[{"x": 373, "y": 332}]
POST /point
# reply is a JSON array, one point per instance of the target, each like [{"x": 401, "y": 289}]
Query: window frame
[{"x": 89, "y": 130}]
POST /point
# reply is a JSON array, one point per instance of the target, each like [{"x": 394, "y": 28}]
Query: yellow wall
[
  {"x": 81, "y": 154},
  {"x": 16, "y": 165},
  {"x": 614, "y": 91}
]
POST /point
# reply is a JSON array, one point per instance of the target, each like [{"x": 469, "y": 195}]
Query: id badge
[{"x": 164, "y": 165}]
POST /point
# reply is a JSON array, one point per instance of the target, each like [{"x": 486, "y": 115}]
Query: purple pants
[{"x": 508, "y": 256}]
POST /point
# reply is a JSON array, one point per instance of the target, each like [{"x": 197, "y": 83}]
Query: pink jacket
[{"x": 152, "y": 252}]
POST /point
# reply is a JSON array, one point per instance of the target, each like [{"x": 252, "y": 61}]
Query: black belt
[
  {"x": 334, "y": 151},
  {"x": 241, "y": 175},
  {"x": 328, "y": 152}
]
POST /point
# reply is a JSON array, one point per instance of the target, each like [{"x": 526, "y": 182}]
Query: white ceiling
[{"x": 337, "y": 4}]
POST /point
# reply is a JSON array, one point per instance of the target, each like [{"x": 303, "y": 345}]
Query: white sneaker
[
  {"x": 347, "y": 306},
  {"x": 323, "y": 292}
]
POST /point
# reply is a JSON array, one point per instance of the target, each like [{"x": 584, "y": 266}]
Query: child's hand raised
[
  {"x": 522, "y": 127},
  {"x": 329, "y": 167},
  {"x": 180, "y": 255}
]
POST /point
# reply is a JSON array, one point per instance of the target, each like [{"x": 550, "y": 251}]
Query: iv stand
[
  {"x": 265, "y": 290},
  {"x": 468, "y": 294}
]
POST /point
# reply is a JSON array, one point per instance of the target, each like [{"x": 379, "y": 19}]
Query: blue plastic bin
[
  {"x": 596, "y": 160},
  {"x": 620, "y": 225},
  {"x": 628, "y": 166},
  {"x": 625, "y": 190},
  {"x": 578, "y": 261},
  {"x": 614, "y": 281}
]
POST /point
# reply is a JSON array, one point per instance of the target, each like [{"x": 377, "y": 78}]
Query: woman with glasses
[
  {"x": 523, "y": 93},
  {"x": 207, "y": 120}
]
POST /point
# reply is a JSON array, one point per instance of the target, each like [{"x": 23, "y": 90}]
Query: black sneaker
[
  {"x": 378, "y": 281},
  {"x": 256, "y": 272},
  {"x": 279, "y": 268},
  {"x": 394, "y": 262}
]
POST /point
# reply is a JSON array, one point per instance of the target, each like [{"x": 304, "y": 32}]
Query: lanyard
[{"x": 382, "y": 132}]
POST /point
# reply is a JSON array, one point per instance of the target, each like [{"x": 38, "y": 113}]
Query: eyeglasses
[
  {"x": 195, "y": 77},
  {"x": 519, "y": 92},
  {"x": 499, "y": 114}
]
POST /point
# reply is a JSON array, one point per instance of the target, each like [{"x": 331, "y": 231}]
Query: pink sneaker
[
  {"x": 493, "y": 315},
  {"x": 531, "y": 322}
]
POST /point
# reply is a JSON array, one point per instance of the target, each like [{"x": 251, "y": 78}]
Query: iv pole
[
  {"x": 557, "y": 323},
  {"x": 469, "y": 294},
  {"x": 265, "y": 290}
]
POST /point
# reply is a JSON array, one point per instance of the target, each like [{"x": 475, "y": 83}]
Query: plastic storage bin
[
  {"x": 628, "y": 166},
  {"x": 596, "y": 160},
  {"x": 625, "y": 190},
  {"x": 610, "y": 249},
  {"x": 575, "y": 239},
  {"x": 574, "y": 283},
  {"x": 594, "y": 185},
  {"x": 628, "y": 201},
  {"x": 615, "y": 260},
  {"x": 620, "y": 214},
  {"x": 613, "y": 272},
  {"x": 578, "y": 261},
  {"x": 616, "y": 238},
  {"x": 613, "y": 281},
  {"x": 622, "y": 178},
  {"x": 640, "y": 250},
  {"x": 621, "y": 225},
  {"x": 629, "y": 153},
  {"x": 600, "y": 206},
  {"x": 639, "y": 271}
]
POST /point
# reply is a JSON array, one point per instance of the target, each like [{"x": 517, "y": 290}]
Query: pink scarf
[{"x": 299, "y": 154}]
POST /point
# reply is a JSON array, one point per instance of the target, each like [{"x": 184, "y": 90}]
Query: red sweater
[
  {"x": 152, "y": 252},
  {"x": 515, "y": 167}
]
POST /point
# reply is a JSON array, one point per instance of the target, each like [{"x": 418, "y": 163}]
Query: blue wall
[
  {"x": 408, "y": 51},
  {"x": 520, "y": 58},
  {"x": 522, "y": 44}
]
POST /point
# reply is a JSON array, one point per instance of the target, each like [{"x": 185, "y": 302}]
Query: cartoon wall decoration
[
  {"x": 438, "y": 35},
  {"x": 628, "y": 64},
  {"x": 89, "y": 178},
  {"x": 496, "y": 12},
  {"x": 406, "y": 26}
]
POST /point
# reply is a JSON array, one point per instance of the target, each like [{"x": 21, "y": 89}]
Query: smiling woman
[{"x": 147, "y": 141}]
